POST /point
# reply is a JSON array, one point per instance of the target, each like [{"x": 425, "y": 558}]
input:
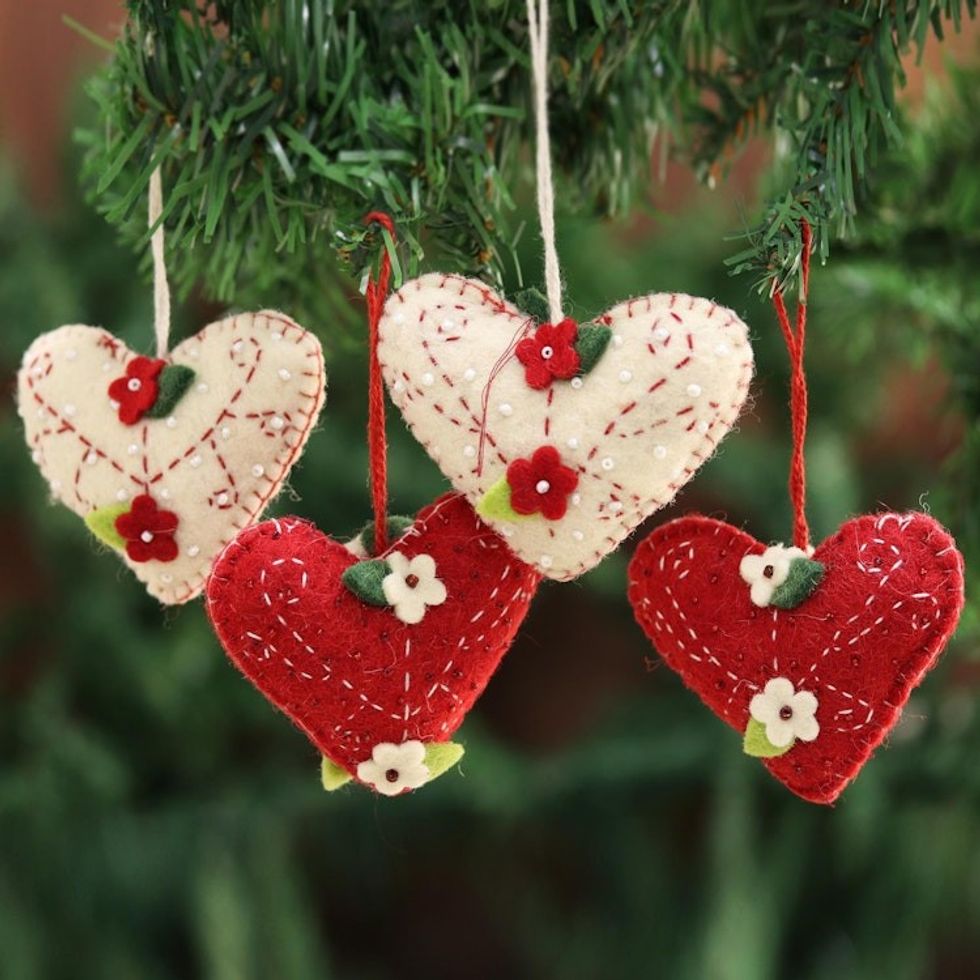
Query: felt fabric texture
[
  {"x": 653, "y": 408},
  {"x": 215, "y": 461},
  {"x": 889, "y": 601},
  {"x": 351, "y": 675}
]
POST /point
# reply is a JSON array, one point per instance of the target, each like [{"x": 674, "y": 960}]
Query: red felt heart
[
  {"x": 889, "y": 600},
  {"x": 351, "y": 675}
]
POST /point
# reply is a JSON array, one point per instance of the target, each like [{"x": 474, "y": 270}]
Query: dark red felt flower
[
  {"x": 149, "y": 531},
  {"x": 550, "y": 353},
  {"x": 137, "y": 389},
  {"x": 541, "y": 484}
]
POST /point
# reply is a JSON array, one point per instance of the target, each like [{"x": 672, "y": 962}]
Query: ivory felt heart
[
  {"x": 377, "y": 670},
  {"x": 812, "y": 658},
  {"x": 563, "y": 437},
  {"x": 167, "y": 459}
]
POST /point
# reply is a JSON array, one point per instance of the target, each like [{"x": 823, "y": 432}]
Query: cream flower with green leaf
[
  {"x": 766, "y": 572},
  {"x": 786, "y": 714},
  {"x": 412, "y": 586},
  {"x": 393, "y": 769}
]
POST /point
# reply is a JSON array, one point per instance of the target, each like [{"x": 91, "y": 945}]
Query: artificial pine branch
[{"x": 279, "y": 125}]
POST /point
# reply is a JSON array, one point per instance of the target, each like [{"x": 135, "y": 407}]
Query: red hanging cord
[
  {"x": 795, "y": 343},
  {"x": 375, "y": 294}
]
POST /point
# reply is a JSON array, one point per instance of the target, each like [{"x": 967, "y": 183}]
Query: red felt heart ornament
[
  {"x": 815, "y": 688},
  {"x": 368, "y": 683}
]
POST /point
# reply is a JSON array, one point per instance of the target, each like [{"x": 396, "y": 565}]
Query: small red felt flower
[
  {"x": 149, "y": 531},
  {"x": 541, "y": 484},
  {"x": 137, "y": 390},
  {"x": 550, "y": 353}
]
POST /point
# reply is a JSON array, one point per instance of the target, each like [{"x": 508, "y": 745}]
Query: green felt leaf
[
  {"x": 440, "y": 756},
  {"x": 364, "y": 580},
  {"x": 591, "y": 344},
  {"x": 755, "y": 742},
  {"x": 495, "y": 503},
  {"x": 804, "y": 577},
  {"x": 102, "y": 523},
  {"x": 397, "y": 526},
  {"x": 533, "y": 302},
  {"x": 333, "y": 776},
  {"x": 172, "y": 385}
]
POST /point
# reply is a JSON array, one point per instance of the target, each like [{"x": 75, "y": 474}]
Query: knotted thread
[
  {"x": 795, "y": 343},
  {"x": 375, "y": 295}
]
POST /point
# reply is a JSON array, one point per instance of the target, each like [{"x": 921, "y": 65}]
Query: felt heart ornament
[
  {"x": 564, "y": 437},
  {"x": 810, "y": 657},
  {"x": 167, "y": 458},
  {"x": 377, "y": 660}
]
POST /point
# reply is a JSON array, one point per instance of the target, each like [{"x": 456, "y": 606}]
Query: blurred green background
[{"x": 158, "y": 819}]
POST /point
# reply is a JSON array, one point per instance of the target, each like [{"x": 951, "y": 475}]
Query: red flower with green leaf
[
  {"x": 148, "y": 531},
  {"x": 550, "y": 353},
  {"x": 137, "y": 390},
  {"x": 541, "y": 484}
]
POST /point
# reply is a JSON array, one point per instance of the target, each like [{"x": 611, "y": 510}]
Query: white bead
[
  {"x": 133, "y": 448},
  {"x": 36, "y": 455},
  {"x": 625, "y": 376},
  {"x": 113, "y": 404},
  {"x": 506, "y": 530},
  {"x": 56, "y": 485},
  {"x": 237, "y": 346},
  {"x": 71, "y": 354},
  {"x": 221, "y": 499},
  {"x": 193, "y": 551},
  {"x": 506, "y": 409},
  {"x": 661, "y": 333},
  {"x": 702, "y": 427},
  {"x": 660, "y": 452},
  {"x": 276, "y": 422},
  {"x": 469, "y": 451},
  {"x": 284, "y": 375},
  {"x": 399, "y": 385},
  {"x": 122, "y": 495},
  {"x": 203, "y": 386},
  {"x": 694, "y": 390},
  {"x": 399, "y": 318},
  {"x": 258, "y": 470},
  {"x": 542, "y": 486},
  {"x": 469, "y": 374},
  {"x": 577, "y": 383},
  {"x": 578, "y": 535},
  {"x": 38, "y": 372},
  {"x": 106, "y": 366},
  {"x": 615, "y": 506},
  {"x": 617, "y": 340},
  {"x": 41, "y": 413},
  {"x": 225, "y": 432},
  {"x": 146, "y": 537},
  {"x": 607, "y": 462},
  {"x": 195, "y": 461},
  {"x": 171, "y": 423},
  {"x": 92, "y": 458},
  {"x": 70, "y": 409},
  {"x": 428, "y": 378},
  {"x": 546, "y": 561},
  {"x": 576, "y": 499},
  {"x": 572, "y": 442},
  {"x": 723, "y": 350},
  {"x": 276, "y": 335},
  {"x": 165, "y": 493},
  {"x": 193, "y": 352},
  {"x": 547, "y": 352},
  {"x": 448, "y": 324}
]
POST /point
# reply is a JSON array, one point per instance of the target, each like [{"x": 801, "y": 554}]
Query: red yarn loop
[
  {"x": 795, "y": 343},
  {"x": 375, "y": 295}
]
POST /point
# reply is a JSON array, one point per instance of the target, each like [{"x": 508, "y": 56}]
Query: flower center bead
[
  {"x": 542, "y": 486},
  {"x": 769, "y": 571},
  {"x": 392, "y": 775},
  {"x": 134, "y": 384},
  {"x": 786, "y": 712},
  {"x": 411, "y": 581},
  {"x": 547, "y": 352},
  {"x": 146, "y": 537}
]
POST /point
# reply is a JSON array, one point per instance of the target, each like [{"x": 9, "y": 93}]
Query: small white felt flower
[
  {"x": 787, "y": 714},
  {"x": 766, "y": 572},
  {"x": 412, "y": 585},
  {"x": 392, "y": 769}
]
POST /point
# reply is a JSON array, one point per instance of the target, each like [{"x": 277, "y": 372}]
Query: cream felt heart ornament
[
  {"x": 168, "y": 458},
  {"x": 564, "y": 437}
]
